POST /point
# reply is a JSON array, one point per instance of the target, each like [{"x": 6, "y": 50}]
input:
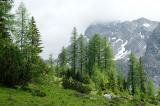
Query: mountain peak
[{"x": 142, "y": 20}]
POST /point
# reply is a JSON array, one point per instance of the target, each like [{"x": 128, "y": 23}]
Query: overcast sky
[{"x": 56, "y": 18}]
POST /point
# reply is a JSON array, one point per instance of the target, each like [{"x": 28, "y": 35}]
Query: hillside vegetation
[{"x": 57, "y": 96}]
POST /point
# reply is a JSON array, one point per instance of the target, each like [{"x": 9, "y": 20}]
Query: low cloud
[{"x": 56, "y": 18}]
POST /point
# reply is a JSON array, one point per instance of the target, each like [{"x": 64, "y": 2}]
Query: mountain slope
[
  {"x": 152, "y": 55},
  {"x": 138, "y": 36}
]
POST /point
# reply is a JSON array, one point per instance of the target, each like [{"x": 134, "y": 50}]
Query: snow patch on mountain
[
  {"x": 122, "y": 51},
  {"x": 113, "y": 38},
  {"x": 146, "y": 25},
  {"x": 118, "y": 40},
  {"x": 142, "y": 36}
]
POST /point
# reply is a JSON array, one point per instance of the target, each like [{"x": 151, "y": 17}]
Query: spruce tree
[
  {"x": 9, "y": 53},
  {"x": 34, "y": 48},
  {"x": 35, "y": 38}
]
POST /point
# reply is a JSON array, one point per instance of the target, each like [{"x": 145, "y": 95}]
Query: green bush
[
  {"x": 34, "y": 92},
  {"x": 75, "y": 85},
  {"x": 81, "y": 77},
  {"x": 86, "y": 79},
  {"x": 153, "y": 100},
  {"x": 38, "y": 93}
]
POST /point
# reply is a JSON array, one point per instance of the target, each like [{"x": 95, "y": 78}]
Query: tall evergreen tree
[
  {"x": 35, "y": 39},
  {"x": 73, "y": 52},
  {"x": 28, "y": 39},
  {"x": 50, "y": 61},
  {"x": 108, "y": 62},
  {"x": 120, "y": 81},
  {"x": 9, "y": 53},
  {"x": 21, "y": 26},
  {"x": 62, "y": 59},
  {"x": 34, "y": 47},
  {"x": 5, "y": 20},
  {"x": 142, "y": 77},
  {"x": 150, "y": 89},
  {"x": 86, "y": 59},
  {"x": 22, "y": 40},
  {"x": 81, "y": 53},
  {"x": 94, "y": 52},
  {"x": 132, "y": 78}
]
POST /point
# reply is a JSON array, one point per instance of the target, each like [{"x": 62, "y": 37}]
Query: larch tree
[
  {"x": 143, "y": 77},
  {"x": 132, "y": 78},
  {"x": 81, "y": 53},
  {"x": 107, "y": 63},
  {"x": 73, "y": 51},
  {"x": 21, "y": 26},
  {"x": 94, "y": 51},
  {"x": 21, "y": 29},
  {"x": 150, "y": 89},
  {"x": 62, "y": 60},
  {"x": 50, "y": 61}
]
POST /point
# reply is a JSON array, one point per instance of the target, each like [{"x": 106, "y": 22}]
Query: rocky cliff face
[
  {"x": 141, "y": 36},
  {"x": 152, "y": 55}
]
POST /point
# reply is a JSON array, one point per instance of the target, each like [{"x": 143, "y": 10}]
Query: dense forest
[{"x": 86, "y": 66}]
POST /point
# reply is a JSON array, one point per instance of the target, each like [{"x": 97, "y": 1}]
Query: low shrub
[
  {"x": 34, "y": 92},
  {"x": 76, "y": 85},
  {"x": 38, "y": 93},
  {"x": 81, "y": 77}
]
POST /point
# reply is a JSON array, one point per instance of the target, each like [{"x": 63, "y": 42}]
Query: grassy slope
[{"x": 56, "y": 96}]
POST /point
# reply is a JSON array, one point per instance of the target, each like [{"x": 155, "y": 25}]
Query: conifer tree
[
  {"x": 108, "y": 62},
  {"x": 73, "y": 51},
  {"x": 142, "y": 77},
  {"x": 34, "y": 48},
  {"x": 9, "y": 53},
  {"x": 120, "y": 81},
  {"x": 35, "y": 39},
  {"x": 132, "y": 78},
  {"x": 81, "y": 53},
  {"x": 94, "y": 52},
  {"x": 150, "y": 89},
  {"x": 21, "y": 26},
  {"x": 50, "y": 61},
  {"x": 23, "y": 42},
  {"x": 62, "y": 59},
  {"x": 112, "y": 79}
]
